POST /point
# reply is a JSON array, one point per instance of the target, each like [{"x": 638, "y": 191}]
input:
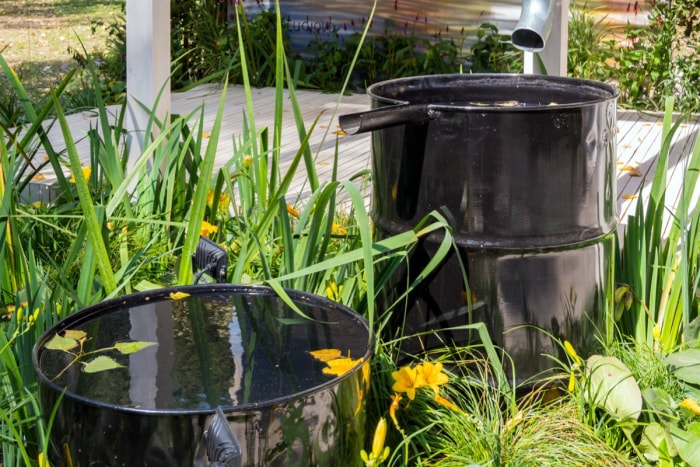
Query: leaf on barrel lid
[
  {"x": 101, "y": 363},
  {"x": 340, "y": 366},
  {"x": 76, "y": 334},
  {"x": 178, "y": 295},
  {"x": 132, "y": 347},
  {"x": 61, "y": 343},
  {"x": 325, "y": 355}
]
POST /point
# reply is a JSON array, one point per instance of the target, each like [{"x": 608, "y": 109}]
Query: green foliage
[
  {"x": 490, "y": 426},
  {"x": 392, "y": 54},
  {"x": 651, "y": 62},
  {"x": 588, "y": 52},
  {"x": 661, "y": 60},
  {"x": 72, "y": 343},
  {"x": 494, "y": 53},
  {"x": 639, "y": 402},
  {"x": 110, "y": 65},
  {"x": 111, "y": 231},
  {"x": 381, "y": 57},
  {"x": 660, "y": 273},
  {"x": 205, "y": 43}
]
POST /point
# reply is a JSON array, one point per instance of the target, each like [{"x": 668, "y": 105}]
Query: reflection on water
[{"x": 211, "y": 351}]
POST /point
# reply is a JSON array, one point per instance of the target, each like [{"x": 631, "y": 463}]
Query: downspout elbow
[{"x": 534, "y": 26}]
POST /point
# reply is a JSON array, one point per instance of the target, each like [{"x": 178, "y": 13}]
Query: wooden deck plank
[
  {"x": 638, "y": 138},
  {"x": 640, "y": 152}
]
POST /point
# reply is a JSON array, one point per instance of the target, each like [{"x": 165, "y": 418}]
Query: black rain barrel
[
  {"x": 224, "y": 373},
  {"x": 523, "y": 168}
]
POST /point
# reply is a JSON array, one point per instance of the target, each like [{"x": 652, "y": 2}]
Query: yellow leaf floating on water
[
  {"x": 326, "y": 355},
  {"x": 76, "y": 334},
  {"x": 39, "y": 177},
  {"x": 340, "y": 366},
  {"x": 101, "y": 363},
  {"x": 178, "y": 295},
  {"x": 629, "y": 196},
  {"x": 337, "y": 364}
]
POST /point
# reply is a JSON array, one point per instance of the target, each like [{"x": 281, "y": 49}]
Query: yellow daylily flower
[
  {"x": 247, "y": 161},
  {"x": 395, "y": 400},
  {"x": 407, "y": 380},
  {"x": 336, "y": 229},
  {"x": 43, "y": 461},
  {"x": 333, "y": 290},
  {"x": 223, "y": 199},
  {"x": 86, "y": 174},
  {"x": 572, "y": 381},
  {"x": 691, "y": 404},
  {"x": 656, "y": 333},
  {"x": 379, "y": 452},
  {"x": 572, "y": 353},
  {"x": 446, "y": 403},
  {"x": 292, "y": 212},
  {"x": 208, "y": 229},
  {"x": 432, "y": 375}
]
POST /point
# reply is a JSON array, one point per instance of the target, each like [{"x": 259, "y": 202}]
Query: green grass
[{"x": 37, "y": 34}]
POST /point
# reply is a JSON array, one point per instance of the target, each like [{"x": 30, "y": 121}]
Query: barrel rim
[
  {"x": 599, "y": 92},
  {"x": 154, "y": 296}
]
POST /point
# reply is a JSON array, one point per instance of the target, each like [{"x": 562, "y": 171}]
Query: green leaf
[
  {"x": 94, "y": 226},
  {"x": 132, "y": 347},
  {"x": 76, "y": 334},
  {"x": 101, "y": 363},
  {"x": 660, "y": 403},
  {"x": 686, "y": 365},
  {"x": 613, "y": 388},
  {"x": 656, "y": 440},
  {"x": 691, "y": 333},
  {"x": 688, "y": 443},
  {"x": 61, "y": 343},
  {"x": 291, "y": 321}
]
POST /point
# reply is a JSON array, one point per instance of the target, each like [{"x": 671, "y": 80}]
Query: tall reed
[{"x": 658, "y": 275}]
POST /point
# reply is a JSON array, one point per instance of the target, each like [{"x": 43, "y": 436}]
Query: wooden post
[
  {"x": 147, "y": 67},
  {"x": 556, "y": 47}
]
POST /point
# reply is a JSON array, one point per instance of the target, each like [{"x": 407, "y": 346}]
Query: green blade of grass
[
  {"x": 94, "y": 228},
  {"x": 199, "y": 202}
]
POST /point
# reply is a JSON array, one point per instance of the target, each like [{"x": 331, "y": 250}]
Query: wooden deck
[{"x": 638, "y": 139}]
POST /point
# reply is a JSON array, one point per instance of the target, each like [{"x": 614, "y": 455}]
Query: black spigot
[{"x": 223, "y": 449}]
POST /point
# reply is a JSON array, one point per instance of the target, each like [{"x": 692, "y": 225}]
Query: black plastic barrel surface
[
  {"x": 523, "y": 168},
  {"x": 211, "y": 375}
]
